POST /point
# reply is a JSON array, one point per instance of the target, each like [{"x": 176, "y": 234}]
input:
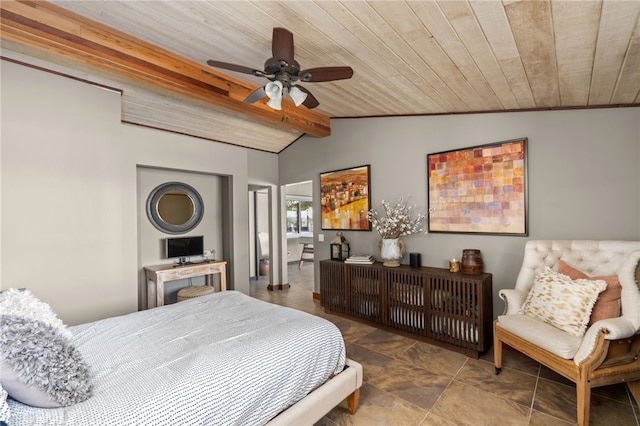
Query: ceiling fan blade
[
  {"x": 311, "y": 101},
  {"x": 234, "y": 67},
  {"x": 255, "y": 96},
  {"x": 282, "y": 45},
  {"x": 314, "y": 75}
]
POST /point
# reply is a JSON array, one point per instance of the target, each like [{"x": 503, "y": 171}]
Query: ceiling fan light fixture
[
  {"x": 275, "y": 104},
  {"x": 273, "y": 90},
  {"x": 297, "y": 95},
  {"x": 283, "y": 70}
]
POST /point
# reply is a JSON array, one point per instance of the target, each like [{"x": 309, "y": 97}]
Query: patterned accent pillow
[
  {"x": 39, "y": 366},
  {"x": 608, "y": 303},
  {"x": 562, "y": 302}
]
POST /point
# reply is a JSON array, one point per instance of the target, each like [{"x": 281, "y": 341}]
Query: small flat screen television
[{"x": 184, "y": 247}]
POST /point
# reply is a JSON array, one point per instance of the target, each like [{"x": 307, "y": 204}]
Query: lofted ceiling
[{"x": 408, "y": 57}]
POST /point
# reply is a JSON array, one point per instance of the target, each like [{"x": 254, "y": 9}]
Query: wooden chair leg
[
  {"x": 634, "y": 388},
  {"x": 302, "y": 252},
  {"x": 306, "y": 249},
  {"x": 497, "y": 351},
  {"x": 353, "y": 400},
  {"x": 583, "y": 402}
]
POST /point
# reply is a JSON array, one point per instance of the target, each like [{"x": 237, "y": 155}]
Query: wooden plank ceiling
[{"x": 408, "y": 57}]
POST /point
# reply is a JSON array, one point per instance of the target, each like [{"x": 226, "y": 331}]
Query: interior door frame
[{"x": 255, "y": 219}]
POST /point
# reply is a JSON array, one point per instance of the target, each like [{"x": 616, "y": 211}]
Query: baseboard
[
  {"x": 316, "y": 296},
  {"x": 278, "y": 287}
]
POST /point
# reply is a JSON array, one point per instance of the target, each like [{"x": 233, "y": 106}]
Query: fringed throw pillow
[
  {"x": 22, "y": 302},
  {"x": 39, "y": 366}
]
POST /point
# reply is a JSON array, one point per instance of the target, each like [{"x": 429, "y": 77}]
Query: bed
[{"x": 224, "y": 358}]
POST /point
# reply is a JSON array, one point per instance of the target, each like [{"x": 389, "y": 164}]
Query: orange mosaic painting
[{"x": 481, "y": 189}]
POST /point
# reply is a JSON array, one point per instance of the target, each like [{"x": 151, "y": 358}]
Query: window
[{"x": 299, "y": 215}]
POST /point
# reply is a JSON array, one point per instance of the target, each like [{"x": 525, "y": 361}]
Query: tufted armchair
[{"x": 608, "y": 351}]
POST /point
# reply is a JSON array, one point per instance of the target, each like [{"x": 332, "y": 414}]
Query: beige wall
[
  {"x": 583, "y": 174},
  {"x": 69, "y": 196}
]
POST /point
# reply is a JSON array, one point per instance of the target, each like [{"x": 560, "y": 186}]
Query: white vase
[{"x": 391, "y": 251}]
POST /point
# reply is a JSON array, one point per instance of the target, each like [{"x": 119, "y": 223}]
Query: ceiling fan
[{"x": 283, "y": 73}]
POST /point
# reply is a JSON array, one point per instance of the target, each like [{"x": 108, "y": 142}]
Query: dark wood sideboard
[{"x": 448, "y": 309}]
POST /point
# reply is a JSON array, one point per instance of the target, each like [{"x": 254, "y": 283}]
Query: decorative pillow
[
  {"x": 39, "y": 366},
  {"x": 23, "y": 303},
  {"x": 562, "y": 302},
  {"x": 608, "y": 303}
]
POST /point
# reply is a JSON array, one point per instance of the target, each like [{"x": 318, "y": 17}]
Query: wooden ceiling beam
[{"x": 47, "y": 27}]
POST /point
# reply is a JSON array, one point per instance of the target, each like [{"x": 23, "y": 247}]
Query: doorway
[
  {"x": 260, "y": 237},
  {"x": 299, "y": 224}
]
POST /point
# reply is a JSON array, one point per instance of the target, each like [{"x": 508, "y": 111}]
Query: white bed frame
[{"x": 323, "y": 399}]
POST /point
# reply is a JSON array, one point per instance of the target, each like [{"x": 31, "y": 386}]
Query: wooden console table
[
  {"x": 159, "y": 274},
  {"x": 432, "y": 304}
]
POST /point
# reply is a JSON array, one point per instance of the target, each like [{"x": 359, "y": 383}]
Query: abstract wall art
[{"x": 479, "y": 190}]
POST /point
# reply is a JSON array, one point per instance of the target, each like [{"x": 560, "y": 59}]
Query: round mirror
[{"x": 174, "y": 208}]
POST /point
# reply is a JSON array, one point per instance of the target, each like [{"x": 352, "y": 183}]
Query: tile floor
[{"x": 409, "y": 382}]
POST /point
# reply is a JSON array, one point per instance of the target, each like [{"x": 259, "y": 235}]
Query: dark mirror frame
[{"x": 154, "y": 199}]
